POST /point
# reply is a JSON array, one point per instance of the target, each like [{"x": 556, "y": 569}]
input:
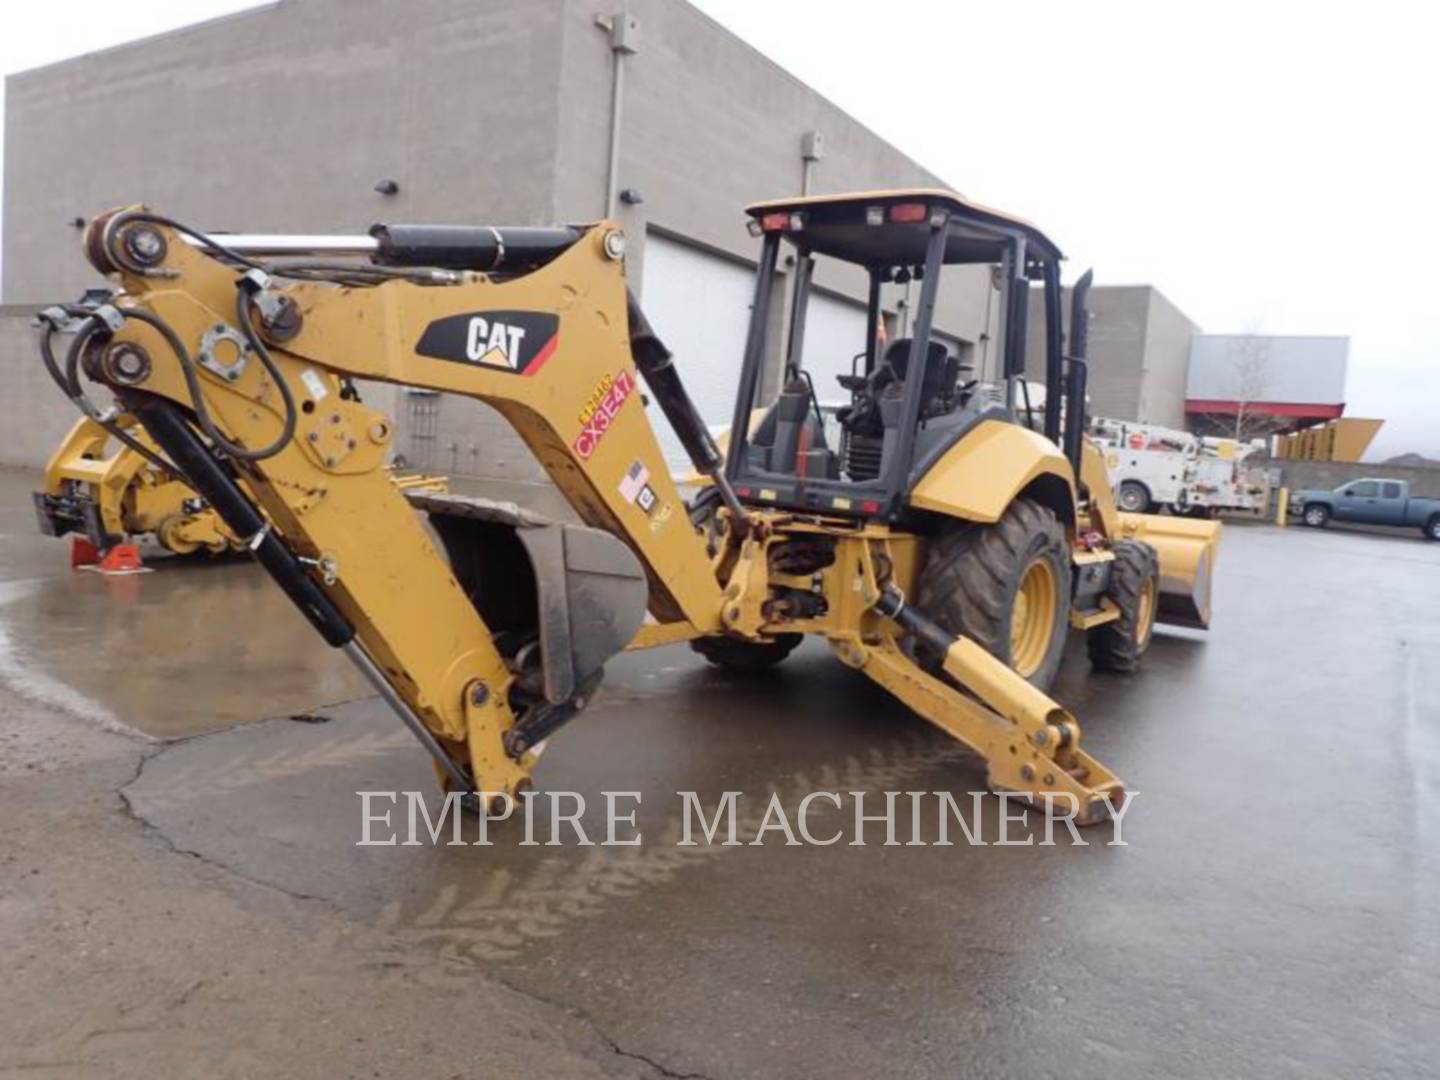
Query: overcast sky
[{"x": 1268, "y": 166}]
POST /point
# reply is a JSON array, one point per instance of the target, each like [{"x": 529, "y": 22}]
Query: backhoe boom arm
[{"x": 263, "y": 367}]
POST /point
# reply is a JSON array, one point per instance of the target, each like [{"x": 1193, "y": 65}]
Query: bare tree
[{"x": 1249, "y": 355}]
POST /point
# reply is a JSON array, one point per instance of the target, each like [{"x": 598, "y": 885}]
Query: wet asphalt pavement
[{"x": 1274, "y": 912}]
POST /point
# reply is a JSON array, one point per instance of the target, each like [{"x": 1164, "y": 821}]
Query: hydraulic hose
[
  {"x": 118, "y": 260},
  {"x": 168, "y": 428},
  {"x": 655, "y": 363},
  {"x": 69, "y": 382},
  {"x": 197, "y": 395}
]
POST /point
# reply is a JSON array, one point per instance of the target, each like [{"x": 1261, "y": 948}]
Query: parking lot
[{"x": 179, "y": 763}]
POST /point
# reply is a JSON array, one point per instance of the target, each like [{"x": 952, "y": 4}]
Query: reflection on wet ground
[{"x": 194, "y": 645}]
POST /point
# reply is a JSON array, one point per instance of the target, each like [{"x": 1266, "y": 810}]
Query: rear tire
[
  {"x": 1135, "y": 590},
  {"x": 748, "y": 656},
  {"x": 1316, "y": 515},
  {"x": 1432, "y": 528},
  {"x": 976, "y": 576},
  {"x": 1134, "y": 498}
]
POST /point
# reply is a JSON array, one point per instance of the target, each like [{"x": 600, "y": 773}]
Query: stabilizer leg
[{"x": 1030, "y": 744}]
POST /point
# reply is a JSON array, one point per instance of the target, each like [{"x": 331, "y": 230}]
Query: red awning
[{"x": 1300, "y": 410}]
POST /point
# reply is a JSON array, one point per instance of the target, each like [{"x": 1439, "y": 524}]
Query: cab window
[
  {"x": 1390, "y": 491},
  {"x": 1364, "y": 489}
]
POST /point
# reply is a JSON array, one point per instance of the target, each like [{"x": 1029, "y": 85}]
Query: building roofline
[
  {"x": 147, "y": 38},
  {"x": 845, "y": 113},
  {"x": 1287, "y": 337}
]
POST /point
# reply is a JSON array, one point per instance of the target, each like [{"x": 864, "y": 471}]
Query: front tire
[
  {"x": 1134, "y": 497},
  {"x": 1135, "y": 590},
  {"x": 1316, "y": 515},
  {"x": 1006, "y": 586},
  {"x": 733, "y": 654}
]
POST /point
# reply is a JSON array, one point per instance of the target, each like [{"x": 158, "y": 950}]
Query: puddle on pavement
[{"x": 187, "y": 649}]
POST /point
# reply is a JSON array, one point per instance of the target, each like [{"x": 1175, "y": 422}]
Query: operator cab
[{"x": 911, "y": 388}]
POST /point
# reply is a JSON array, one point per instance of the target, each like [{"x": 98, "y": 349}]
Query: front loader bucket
[{"x": 1187, "y": 550}]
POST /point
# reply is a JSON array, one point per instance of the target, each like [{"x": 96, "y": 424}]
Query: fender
[{"x": 981, "y": 475}]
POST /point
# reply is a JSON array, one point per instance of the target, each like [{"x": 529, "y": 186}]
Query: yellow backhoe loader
[
  {"x": 941, "y": 545},
  {"x": 109, "y": 493}
]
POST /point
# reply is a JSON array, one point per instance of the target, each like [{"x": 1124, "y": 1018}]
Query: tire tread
[
  {"x": 1113, "y": 646},
  {"x": 970, "y": 571}
]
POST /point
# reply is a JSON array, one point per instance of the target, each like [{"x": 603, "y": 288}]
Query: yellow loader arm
[
  {"x": 1186, "y": 547},
  {"x": 241, "y": 374}
]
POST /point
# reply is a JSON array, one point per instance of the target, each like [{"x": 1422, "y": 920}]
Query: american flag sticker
[{"x": 637, "y": 479}]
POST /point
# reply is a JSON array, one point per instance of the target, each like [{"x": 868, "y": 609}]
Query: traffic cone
[
  {"x": 82, "y": 553},
  {"x": 122, "y": 559}
]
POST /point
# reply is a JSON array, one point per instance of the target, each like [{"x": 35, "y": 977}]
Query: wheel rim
[
  {"x": 168, "y": 535},
  {"x": 1032, "y": 619},
  {"x": 1314, "y": 517},
  {"x": 1145, "y": 613},
  {"x": 1131, "y": 499}
]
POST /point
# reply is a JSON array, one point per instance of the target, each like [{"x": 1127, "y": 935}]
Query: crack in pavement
[
  {"x": 154, "y": 832},
  {"x": 588, "y": 1020},
  {"x": 157, "y": 834},
  {"x": 657, "y": 1066}
]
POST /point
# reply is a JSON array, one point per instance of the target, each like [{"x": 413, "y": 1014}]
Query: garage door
[
  {"x": 834, "y": 333},
  {"x": 699, "y": 304}
]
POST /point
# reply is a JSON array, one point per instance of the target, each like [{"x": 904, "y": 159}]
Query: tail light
[
  {"x": 782, "y": 220},
  {"x": 908, "y": 212}
]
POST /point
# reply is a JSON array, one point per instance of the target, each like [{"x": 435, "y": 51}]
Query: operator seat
[
  {"x": 886, "y": 384},
  {"x": 942, "y": 373}
]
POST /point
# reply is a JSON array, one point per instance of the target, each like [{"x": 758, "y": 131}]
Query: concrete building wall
[
  {"x": 1139, "y": 352},
  {"x": 1166, "y": 363},
  {"x": 709, "y": 125},
  {"x": 1118, "y": 320},
  {"x": 284, "y": 118},
  {"x": 37, "y": 414},
  {"x": 1119, "y": 317},
  {"x": 1268, "y": 368}
]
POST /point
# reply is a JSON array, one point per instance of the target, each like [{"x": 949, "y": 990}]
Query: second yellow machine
[
  {"x": 113, "y": 492},
  {"x": 943, "y": 540}
]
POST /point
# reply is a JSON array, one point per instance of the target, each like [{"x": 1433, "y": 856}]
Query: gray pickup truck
[{"x": 1369, "y": 502}]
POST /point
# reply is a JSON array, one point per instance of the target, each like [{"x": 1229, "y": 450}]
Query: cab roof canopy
[{"x": 889, "y": 228}]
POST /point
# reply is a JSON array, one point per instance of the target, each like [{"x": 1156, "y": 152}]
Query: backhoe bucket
[
  {"x": 578, "y": 592},
  {"x": 1187, "y": 550}
]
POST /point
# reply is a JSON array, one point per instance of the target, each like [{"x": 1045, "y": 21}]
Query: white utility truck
[{"x": 1152, "y": 466}]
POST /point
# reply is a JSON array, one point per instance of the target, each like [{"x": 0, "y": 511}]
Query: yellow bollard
[{"x": 1282, "y": 507}]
